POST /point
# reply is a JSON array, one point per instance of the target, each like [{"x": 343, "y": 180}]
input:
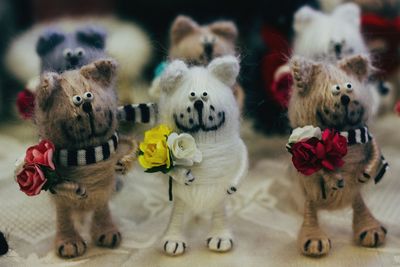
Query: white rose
[
  {"x": 184, "y": 149},
  {"x": 305, "y": 132}
]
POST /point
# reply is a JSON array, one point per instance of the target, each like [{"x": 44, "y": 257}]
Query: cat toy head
[
  {"x": 328, "y": 36},
  {"x": 78, "y": 108},
  {"x": 199, "y": 100},
  {"x": 61, "y": 51},
  {"x": 330, "y": 96},
  {"x": 198, "y": 45}
]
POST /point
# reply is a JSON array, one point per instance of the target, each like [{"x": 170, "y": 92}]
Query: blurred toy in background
[
  {"x": 333, "y": 152},
  {"x": 270, "y": 48},
  {"x": 199, "y": 101},
  {"x": 198, "y": 45},
  {"x": 59, "y": 51},
  {"x": 77, "y": 112},
  {"x": 124, "y": 41}
]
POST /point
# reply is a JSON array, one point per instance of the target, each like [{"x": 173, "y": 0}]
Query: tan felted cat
[
  {"x": 77, "y": 111},
  {"x": 336, "y": 97}
]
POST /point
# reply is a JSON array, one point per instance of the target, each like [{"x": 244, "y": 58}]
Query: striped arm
[{"x": 138, "y": 113}]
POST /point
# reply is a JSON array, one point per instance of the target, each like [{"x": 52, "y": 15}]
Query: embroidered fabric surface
[{"x": 265, "y": 214}]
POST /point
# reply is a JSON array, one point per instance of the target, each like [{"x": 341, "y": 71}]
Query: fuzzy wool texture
[
  {"x": 198, "y": 45},
  {"x": 200, "y": 101},
  {"x": 126, "y": 42},
  {"x": 335, "y": 96}
]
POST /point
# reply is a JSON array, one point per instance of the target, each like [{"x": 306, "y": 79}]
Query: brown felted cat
[
  {"x": 335, "y": 97},
  {"x": 199, "y": 44},
  {"x": 77, "y": 111}
]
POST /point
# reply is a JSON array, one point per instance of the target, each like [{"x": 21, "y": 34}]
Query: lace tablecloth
[{"x": 264, "y": 214}]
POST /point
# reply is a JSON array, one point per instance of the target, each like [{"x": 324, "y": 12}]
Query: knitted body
[
  {"x": 77, "y": 111},
  {"x": 329, "y": 96},
  {"x": 212, "y": 117}
]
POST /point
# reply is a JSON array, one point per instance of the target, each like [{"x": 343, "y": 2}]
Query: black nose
[
  {"x": 345, "y": 100},
  {"x": 87, "y": 107},
  {"x": 198, "y": 105},
  {"x": 73, "y": 60},
  {"x": 338, "y": 49}
]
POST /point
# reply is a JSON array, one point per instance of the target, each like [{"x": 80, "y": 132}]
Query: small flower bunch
[
  {"x": 313, "y": 149},
  {"x": 162, "y": 149},
  {"x": 36, "y": 171}
]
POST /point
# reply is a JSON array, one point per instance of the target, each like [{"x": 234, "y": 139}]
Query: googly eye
[
  {"x": 80, "y": 52},
  {"x": 192, "y": 96},
  {"x": 67, "y": 53},
  {"x": 349, "y": 87},
  {"x": 204, "y": 96},
  {"x": 335, "y": 89},
  {"x": 88, "y": 96},
  {"x": 77, "y": 100}
]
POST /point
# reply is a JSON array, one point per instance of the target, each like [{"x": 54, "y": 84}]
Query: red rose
[
  {"x": 41, "y": 154},
  {"x": 335, "y": 147},
  {"x": 305, "y": 156},
  {"x": 26, "y": 103},
  {"x": 31, "y": 180}
]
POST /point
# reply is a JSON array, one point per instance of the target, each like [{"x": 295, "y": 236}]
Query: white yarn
[{"x": 225, "y": 159}]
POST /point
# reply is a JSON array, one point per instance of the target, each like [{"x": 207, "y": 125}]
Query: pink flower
[
  {"x": 31, "y": 180},
  {"x": 41, "y": 154},
  {"x": 306, "y": 156}
]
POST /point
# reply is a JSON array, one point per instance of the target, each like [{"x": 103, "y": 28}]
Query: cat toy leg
[
  {"x": 374, "y": 164},
  {"x": 312, "y": 241},
  {"x": 103, "y": 230},
  {"x": 242, "y": 172},
  {"x": 220, "y": 238},
  {"x": 68, "y": 242},
  {"x": 174, "y": 243},
  {"x": 368, "y": 231}
]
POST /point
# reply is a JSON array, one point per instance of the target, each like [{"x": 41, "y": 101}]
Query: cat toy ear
[
  {"x": 49, "y": 39},
  {"x": 225, "y": 29},
  {"x": 49, "y": 83},
  {"x": 102, "y": 71},
  {"x": 181, "y": 27},
  {"x": 173, "y": 75},
  {"x": 349, "y": 12},
  {"x": 303, "y": 17},
  {"x": 303, "y": 71},
  {"x": 226, "y": 69},
  {"x": 92, "y": 36},
  {"x": 358, "y": 66}
]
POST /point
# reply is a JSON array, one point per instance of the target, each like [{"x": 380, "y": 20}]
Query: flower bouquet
[
  {"x": 162, "y": 150},
  {"x": 313, "y": 149},
  {"x": 36, "y": 171}
]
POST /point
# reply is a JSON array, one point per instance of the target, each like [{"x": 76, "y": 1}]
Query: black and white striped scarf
[
  {"x": 357, "y": 136},
  {"x": 89, "y": 155},
  {"x": 138, "y": 113}
]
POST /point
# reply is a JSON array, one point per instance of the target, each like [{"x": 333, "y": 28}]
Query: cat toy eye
[
  {"x": 192, "y": 96},
  {"x": 204, "y": 96},
  {"x": 77, "y": 100},
  {"x": 80, "y": 52},
  {"x": 67, "y": 53},
  {"x": 349, "y": 87},
  {"x": 88, "y": 96},
  {"x": 335, "y": 89}
]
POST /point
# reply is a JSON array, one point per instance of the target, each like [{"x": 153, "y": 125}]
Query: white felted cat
[{"x": 200, "y": 101}]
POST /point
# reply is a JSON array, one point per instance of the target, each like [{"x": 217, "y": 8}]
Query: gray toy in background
[{"x": 59, "y": 51}]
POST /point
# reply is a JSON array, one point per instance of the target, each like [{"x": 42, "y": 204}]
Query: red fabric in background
[{"x": 375, "y": 27}]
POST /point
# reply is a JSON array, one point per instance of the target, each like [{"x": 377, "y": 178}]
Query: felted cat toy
[
  {"x": 77, "y": 111},
  {"x": 199, "y": 44},
  {"x": 199, "y": 101},
  {"x": 332, "y": 149}
]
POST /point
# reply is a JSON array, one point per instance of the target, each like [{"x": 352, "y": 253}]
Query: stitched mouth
[
  {"x": 93, "y": 132},
  {"x": 200, "y": 126}
]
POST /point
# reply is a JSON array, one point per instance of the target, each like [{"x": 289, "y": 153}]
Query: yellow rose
[{"x": 154, "y": 148}]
